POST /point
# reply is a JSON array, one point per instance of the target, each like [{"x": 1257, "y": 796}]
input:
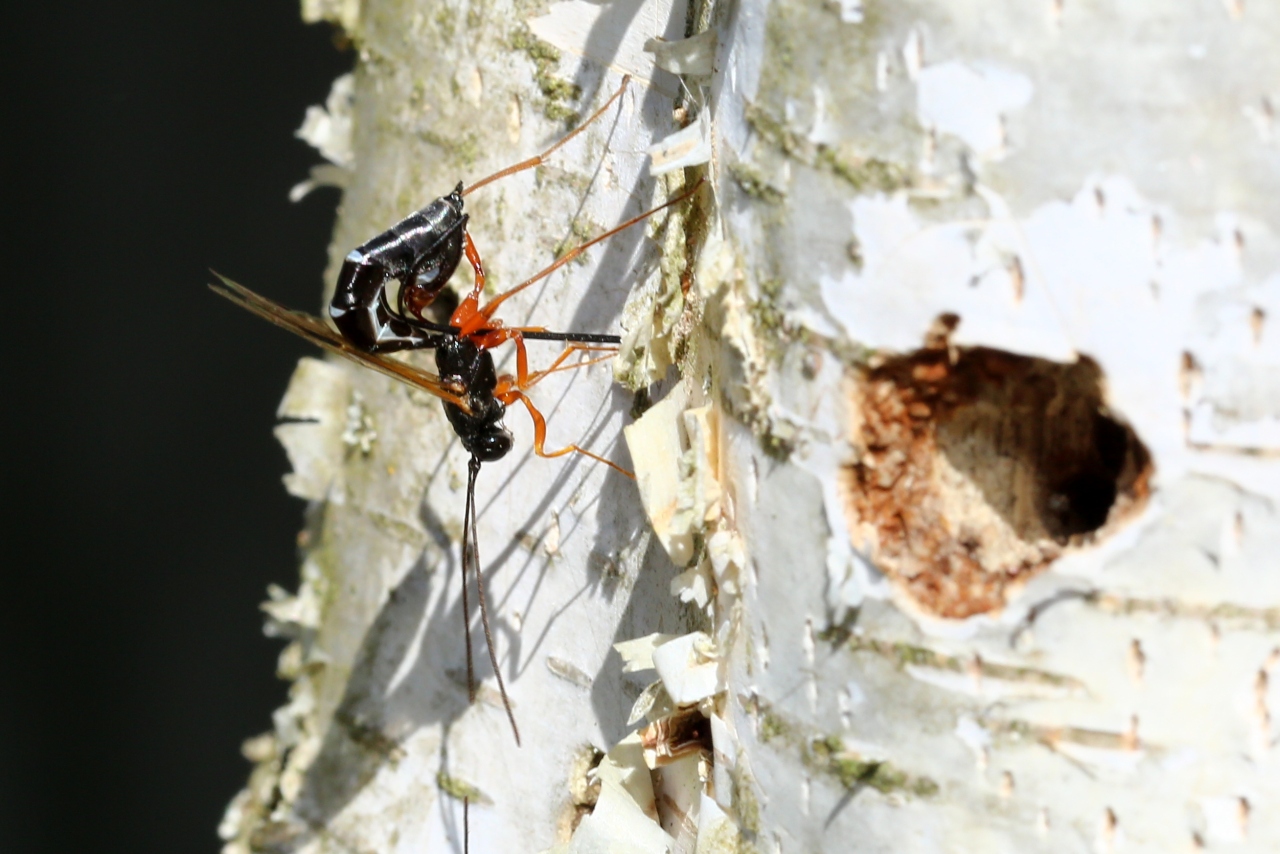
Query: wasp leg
[
  {"x": 466, "y": 317},
  {"x": 511, "y": 395},
  {"x": 531, "y": 379}
]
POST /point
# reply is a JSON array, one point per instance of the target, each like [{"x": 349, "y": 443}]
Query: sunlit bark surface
[{"x": 951, "y": 395}]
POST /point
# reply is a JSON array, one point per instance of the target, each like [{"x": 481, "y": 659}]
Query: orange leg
[
  {"x": 469, "y": 320},
  {"x": 467, "y": 315},
  {"x": 531, "y": 379},
  {"x": 512, "y": 389},
  {"x": 526, "y": 379},
  {"x": 512, "y": 395}
]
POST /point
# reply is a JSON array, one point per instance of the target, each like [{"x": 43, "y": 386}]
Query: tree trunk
[{"x": 954, "y": 525}]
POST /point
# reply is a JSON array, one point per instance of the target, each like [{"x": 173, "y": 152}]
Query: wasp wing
[{"x": 317, "y": 332}]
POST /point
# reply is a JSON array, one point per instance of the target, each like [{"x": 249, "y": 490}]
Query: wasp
[{"x": 420, "y": 254}]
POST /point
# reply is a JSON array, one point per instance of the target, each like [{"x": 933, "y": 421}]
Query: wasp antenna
[
  {"x": 492, "y": 305},
  {"x": 539, "y": 159}
]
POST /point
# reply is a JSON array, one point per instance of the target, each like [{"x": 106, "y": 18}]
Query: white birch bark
[{"x": 857, "y": 533}]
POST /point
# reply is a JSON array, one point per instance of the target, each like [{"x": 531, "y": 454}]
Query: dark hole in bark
[
  {"x": 977, "y": 467},
  {"x": 1034, "y": 436}
]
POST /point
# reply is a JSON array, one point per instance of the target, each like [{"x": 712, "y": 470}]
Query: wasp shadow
[{"x": 407, "y": 674}]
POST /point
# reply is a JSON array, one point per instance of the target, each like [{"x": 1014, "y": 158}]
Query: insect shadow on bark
[{"x": 384, "y": 703}]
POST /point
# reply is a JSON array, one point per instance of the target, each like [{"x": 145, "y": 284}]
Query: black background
[{"x": 144, "y": 143}]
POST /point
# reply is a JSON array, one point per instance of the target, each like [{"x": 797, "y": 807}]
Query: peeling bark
[{"x": 957, "y": 449}]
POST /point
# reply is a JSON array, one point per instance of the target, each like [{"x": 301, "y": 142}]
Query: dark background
[{"x": 146, "y": 142}]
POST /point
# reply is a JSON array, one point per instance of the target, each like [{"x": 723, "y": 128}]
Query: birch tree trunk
[{"x": 957, "y": 449}]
